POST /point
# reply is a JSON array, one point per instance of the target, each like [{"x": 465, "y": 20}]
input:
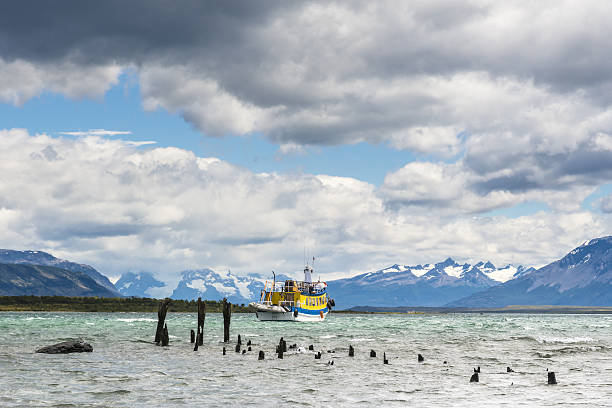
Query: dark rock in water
[
  {"x": 351, "y": 351},
  {"x": 261, "y": 355},
  {"x": 551, "y": 378},
  {"x": 318, "y": 356},
  {"x": 243, "y": 351},
  {"x": 372, "y": 353},
  {"x": 509, "y": 370},
  {"x": 477, "y": 370},
  {"x": 293, "y": 346},
  {"x": 445, "y": 362},
  {"x": 330, "y": 362},
  {"x": 420, "y": 358},
  {"x": 474, "y": 378},
  {"x": 311, "y": 347},
  {"x": 249, "y": 348},
  {"x": 75, "y": 346}
]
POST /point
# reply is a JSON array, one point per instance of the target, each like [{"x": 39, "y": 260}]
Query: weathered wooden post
[
  {"x": 372, "y": 353},
  {"x": 223, "y": 350},
  {"x": 385, "y": 361},
  {"x": 165, "y": 340},
  {"x": 474, "y": 378},
  {"x": 351, "y": 351},
  {"x": 201, "y": 317},
  {"x": 420, "y": 358},
  {"x": 311, "y": 347},
  {"x": 551, "y": 378},
  {"x": 192, "y": 336},
  {"x": 161, "y": 318},
  {"x": 261, "y": 355},
  {"x": 227, "y": 315}
]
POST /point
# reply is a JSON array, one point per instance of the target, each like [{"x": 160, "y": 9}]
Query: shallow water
[{"x": 127, "y": 370}]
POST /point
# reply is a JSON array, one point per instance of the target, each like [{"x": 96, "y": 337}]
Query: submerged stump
[{"x": 420, "y": 358}]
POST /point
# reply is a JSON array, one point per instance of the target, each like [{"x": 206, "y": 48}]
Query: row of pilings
[
  {"x": 162, "y": 338},
  {"x": 197, "y": 337}
]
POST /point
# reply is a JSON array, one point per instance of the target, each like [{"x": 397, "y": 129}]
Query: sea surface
[{"x": 127, "y": 370}]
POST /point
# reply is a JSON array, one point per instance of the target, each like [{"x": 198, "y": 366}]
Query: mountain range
[
  {"x": 422, "y": 285},
  {"x": 582, "y": 277},
  {"x": 8, "y": 256}
]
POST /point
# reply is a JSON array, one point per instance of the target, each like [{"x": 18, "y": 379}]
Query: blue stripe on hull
[{"x": 310, "y": 312}]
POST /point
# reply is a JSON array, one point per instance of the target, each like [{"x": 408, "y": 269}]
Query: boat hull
[{"x": 276, "y": 313}]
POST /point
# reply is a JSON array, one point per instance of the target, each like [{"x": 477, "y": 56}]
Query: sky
[{"x": 140, "y": 136}]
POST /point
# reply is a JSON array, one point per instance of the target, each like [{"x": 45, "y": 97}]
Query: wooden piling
[
  {"x": 551, "y": 378},
  {"x": 192, "y": 336},
  {"x": 474, "y": 378},
  {"x": 162, "y": 309},
  {"x": 239, "y": 340},
  {"x": 227, "y": 315},
  {"x": 223, "y": 350},
  {"x": 238, "y": 348},
  {"x": 372, "y": 353},
  {"x": 351, "y": 351},
  {"x": 165, "y": 340},
  {"x": 385, "y": 361},
  {"x": 420, "y": 358},
  {"x": 311, "y": 347},
  {"x": 261, "y": 355},
  {"x": 201, "y": 318}
]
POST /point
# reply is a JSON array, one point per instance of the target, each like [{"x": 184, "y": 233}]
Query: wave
[{"x": 563, "y": 340}]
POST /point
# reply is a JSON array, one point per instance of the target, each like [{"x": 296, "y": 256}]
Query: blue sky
[{"x": 120, "y": 109}]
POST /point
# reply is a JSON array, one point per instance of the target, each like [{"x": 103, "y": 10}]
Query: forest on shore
[{"x": 105, "y": 304}]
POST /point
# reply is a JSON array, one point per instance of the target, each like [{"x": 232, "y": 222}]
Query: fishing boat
[{"x": 291, "y": 300}]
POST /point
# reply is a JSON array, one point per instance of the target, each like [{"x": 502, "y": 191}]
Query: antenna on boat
[{"x": 273, "y": 280}]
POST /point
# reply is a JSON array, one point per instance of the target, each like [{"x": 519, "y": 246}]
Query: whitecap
[
  {"x": 564, "y": 340},
  {"x": 140, "y": 319}
]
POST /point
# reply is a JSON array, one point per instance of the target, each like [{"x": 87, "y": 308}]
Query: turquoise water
[{"x": 127, "y": 370}]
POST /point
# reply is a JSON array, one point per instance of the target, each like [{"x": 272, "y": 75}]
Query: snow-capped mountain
[
  {"x": 137, "y": 284},
  {"x": 9, "y": 256},
  {"x": 420, "y": 285},
  {"x": 582, "y": 277},
  {"x": 211, "y": 285}
]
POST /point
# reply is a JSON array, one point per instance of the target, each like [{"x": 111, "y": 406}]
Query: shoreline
[{"x": 150, "y": 305}]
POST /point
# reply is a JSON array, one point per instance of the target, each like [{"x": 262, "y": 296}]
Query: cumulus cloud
[{"x": 118, "y": 207}]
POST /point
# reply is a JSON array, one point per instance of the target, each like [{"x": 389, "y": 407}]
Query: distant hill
[
  {"x": 420, "y": 285},
  {"x": 582, "y": 277},
  {"x": 9, "y": 256},
  {"x": 137, "y": 284},
  {"x": 23, "y": 279}
]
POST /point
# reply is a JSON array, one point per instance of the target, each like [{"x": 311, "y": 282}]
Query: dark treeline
[{"x": 99, "y": 304}]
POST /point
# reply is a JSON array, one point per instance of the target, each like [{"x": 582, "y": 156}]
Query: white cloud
[
  {"x": 97, "y": 132},
  {"x": 105, "y": 202}
]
